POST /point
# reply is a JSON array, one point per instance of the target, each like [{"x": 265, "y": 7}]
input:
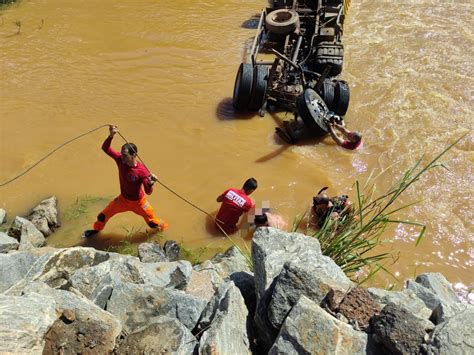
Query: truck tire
[
  {"x": 329, "y": 53},
  {"x": 282, "y": 21},
  {"x": 341, "y": 98},
  {"x": 259, "y": 87},
  {"x": 312, "y": 110},
  {"x": 327, "y": 93},
  {"x": 243, "y": 87}
]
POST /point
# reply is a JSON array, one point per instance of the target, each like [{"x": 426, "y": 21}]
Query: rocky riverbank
[{"x": 294, "y": 301}]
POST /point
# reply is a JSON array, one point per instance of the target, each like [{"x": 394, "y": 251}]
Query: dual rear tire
[{"x": 250, "y": 87}]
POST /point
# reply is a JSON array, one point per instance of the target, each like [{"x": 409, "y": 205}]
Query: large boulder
[
  {"x": 308, "y": 329},
  {"x": 25, "y": 322},
  {"x": 7, "y": 243},
  {"x": 200, "y": 285},
  {"x": 45, "y": 216},
  {"x": 302, "y": 268},
  {"x": 171, "y": 249},
  {"x": 19, "y": 266},
  {"x": 430, "y": 300},
  {"x": 151, "y": 253},
  {"x": 26, "y": 233},
  {"x": 164, "y": 336},
  {"x": 455, "y": 335},
  {"x": 89, "y": 328},
  {"x": 226, "y": 319},
  {"x": 56, "y": 267},
  {"x": 272, "y": 248},
  {"x": 137, "y": 306},
  {"x": 438, "y": 284},
  {"x": 313, "y": 280},
  {"x": 399, "y": 330},
  {"x": 174, "y": 274}
]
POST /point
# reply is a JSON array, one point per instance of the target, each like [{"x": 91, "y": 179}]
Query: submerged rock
[
  {"x": 26, "y": 233},
  {"x": 45, "y": 216}
]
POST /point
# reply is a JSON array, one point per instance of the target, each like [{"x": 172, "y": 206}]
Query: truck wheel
[
  {"x": 259, "y": 87},
  {"x": 243, "y": 86},
  {"x": 312, "y": 109},
  {"x": 327, "y": 93},
  {"x": 282, "y": 21},
  {"x": 341, "y": 98}
]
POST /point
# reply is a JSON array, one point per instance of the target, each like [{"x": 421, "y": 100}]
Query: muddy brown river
[{"x": 163, "y": 72}]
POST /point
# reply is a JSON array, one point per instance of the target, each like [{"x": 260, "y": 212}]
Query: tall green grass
[{"x": 350, "y": 241}]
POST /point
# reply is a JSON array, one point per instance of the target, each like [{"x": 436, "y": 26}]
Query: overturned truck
[{"x": 305, "y": 38}]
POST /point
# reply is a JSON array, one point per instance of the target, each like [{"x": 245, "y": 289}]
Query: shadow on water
[
  {"x": 105, "y": 241},
  {"x": 225, "y": 111},
  {"x": 251, "y": 23}
]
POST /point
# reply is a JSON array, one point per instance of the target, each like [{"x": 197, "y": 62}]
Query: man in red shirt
[
  {"x": 351, "y": 140},
  {"x": 234, "y": 203},
  {"x": 132, "y": 175}
]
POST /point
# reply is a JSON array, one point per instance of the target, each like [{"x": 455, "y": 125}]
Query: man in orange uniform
[{"x": 132, "y": 175}]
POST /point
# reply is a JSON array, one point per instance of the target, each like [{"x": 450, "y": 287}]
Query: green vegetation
[
  {"x": 80, "y": 207},
  {"x": 194, "y": 256},
  {"x": 351, "y": 240}
]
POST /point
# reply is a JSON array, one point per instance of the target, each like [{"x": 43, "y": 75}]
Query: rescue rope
[{"x": 51, "y": 152}]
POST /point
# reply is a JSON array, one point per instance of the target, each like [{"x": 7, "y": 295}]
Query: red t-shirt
[
  {"x": 234, "y": 203},
  {"x": 131, "y": 178}
]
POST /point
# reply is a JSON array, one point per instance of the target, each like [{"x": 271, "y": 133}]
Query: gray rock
[
  {"x": 399, "y": 330},
  {"x": 164, "y": 336},
  {"x": 313, "y": 280},
  {"x": 455, "y": 335},
  {"x": 245, "y": 282},
  {"x": 25, "y": 322},
  {"x": 26, "y": 233},
  {"x": 227, "y": 333},
  {"x": 55, "y": 268},
  {"x": 19, "y": 264},
  {"x": 229, "y": 262},
  {"x": 171, "y": 249},
  {"x": 438, "y": 284},
  {"x": 445, "y": 311},
  {"x": 45, "y": 216},
  {"x": 107, "y": 326},
  {"x": 175, "y": 274},
  {"x": 200, "y": 286},
  {"x": 208, "y": 268},
  {"x": 139, "y": 305},
  {"x": 97, "y": 282},
  {"x": 3, "y": 216},
  {"x": 151, "y": 253},
  {"x": 430, "y": 300},
  {"x": 271, "y": 248},
  {"x": 406, "y": 299},
  {"x": 308, "y": 329},
  {"x": 7, "y": 243}
]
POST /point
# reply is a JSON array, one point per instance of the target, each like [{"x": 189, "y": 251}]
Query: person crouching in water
[
  {"x": 350, "y": 140},
  {"x": 234, "y": 203},
  {"x": 334, "y": 208},
  {"x": 132, "y": 175}
]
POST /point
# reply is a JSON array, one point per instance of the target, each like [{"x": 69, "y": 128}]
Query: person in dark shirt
[
  {"x": 234, "y": 203},
  {"x": 132, "y": 176},
  {"x": 350, "y": 140}
]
